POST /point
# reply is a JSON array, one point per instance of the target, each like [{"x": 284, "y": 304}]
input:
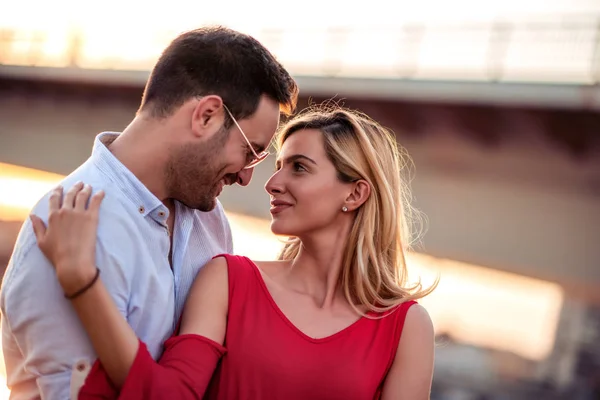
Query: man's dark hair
[{"x": 218, "y": 61}]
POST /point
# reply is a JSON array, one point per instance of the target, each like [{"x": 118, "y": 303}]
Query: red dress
[{"x": 265, "y": 355}]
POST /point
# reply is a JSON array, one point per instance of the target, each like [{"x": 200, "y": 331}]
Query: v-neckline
[{"x": 288, "y": 322}]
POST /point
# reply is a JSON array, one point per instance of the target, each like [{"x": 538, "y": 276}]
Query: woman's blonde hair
[{"x": 374, "y": 273}]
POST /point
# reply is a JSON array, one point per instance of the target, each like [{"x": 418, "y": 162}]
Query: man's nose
[{"x": 245, "y": 176}]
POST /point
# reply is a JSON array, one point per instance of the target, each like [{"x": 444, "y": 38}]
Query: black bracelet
[{"x": 85, "y": 288}]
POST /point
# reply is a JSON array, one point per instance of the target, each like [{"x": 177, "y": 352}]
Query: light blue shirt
[{"x": 42, "y": 338}]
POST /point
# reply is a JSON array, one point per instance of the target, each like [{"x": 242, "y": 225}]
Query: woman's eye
[{"x": 299, "y": 167}]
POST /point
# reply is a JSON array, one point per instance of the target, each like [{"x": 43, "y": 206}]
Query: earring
[{"x": 344, "y": 209}]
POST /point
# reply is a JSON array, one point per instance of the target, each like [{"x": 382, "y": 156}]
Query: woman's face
[{"x": 306, "y": 194}]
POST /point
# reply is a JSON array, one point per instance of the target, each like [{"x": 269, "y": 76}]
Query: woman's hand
[{"x": 69, "y": 240}]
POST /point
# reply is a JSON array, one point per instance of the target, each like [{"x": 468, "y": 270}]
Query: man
[{"x": 209, "y": 111}]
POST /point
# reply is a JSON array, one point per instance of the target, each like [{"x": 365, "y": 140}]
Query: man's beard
[{"x": 194, "y": 172}]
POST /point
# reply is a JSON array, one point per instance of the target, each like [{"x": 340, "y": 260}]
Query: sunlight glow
[
  {"x": 473, "y": 304},
  {"x": 490, "y": 308},
  {"x": 4, "y": 392},
  {"x": 21, "y": 188}
]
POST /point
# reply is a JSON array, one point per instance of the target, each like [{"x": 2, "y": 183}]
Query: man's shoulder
[
  {"x": 115, "y": 218},
  {"x": 26, "y": 244},
  {"x": 29, "y": 269},
  {"x": 114, "y": 205},
  {"x": 86, "y": 174}
]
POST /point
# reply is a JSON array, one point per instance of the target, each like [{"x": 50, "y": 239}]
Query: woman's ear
[{"x": 361, "y": 190}]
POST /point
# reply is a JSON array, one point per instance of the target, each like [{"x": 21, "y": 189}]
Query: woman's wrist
[{"x": 77, "y": 278}]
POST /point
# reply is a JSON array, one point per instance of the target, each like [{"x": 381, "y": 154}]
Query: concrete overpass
[
  {"x": 502, "y": 119},
  {"x": 515, "y": 188}
]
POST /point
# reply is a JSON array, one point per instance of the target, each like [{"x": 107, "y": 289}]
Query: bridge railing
[{"x": 565, "y": 49}]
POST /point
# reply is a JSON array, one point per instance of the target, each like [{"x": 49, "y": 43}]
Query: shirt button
[
  {"x": 141, "y": 209},
  {"x": 81, "y": 366},
  {"x": 161, "y": 214}
]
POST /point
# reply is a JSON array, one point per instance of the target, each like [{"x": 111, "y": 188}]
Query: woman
[{"x": 332, "y": 319}]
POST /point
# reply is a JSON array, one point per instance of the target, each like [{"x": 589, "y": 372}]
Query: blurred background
[{"x": 497, "y": 102}]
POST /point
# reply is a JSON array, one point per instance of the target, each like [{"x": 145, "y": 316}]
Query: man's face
[{"x": 198, "y": 172}]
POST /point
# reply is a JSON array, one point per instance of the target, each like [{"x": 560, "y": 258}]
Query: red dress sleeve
[{"x": 183, "y": 372}]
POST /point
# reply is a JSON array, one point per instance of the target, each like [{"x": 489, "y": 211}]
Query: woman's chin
[{"x": 279, "y": 229}]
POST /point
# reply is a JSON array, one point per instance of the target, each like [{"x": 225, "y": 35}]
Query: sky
[
  {"x": 375, "y": 45},
  {"x": 275, "y": 14}
]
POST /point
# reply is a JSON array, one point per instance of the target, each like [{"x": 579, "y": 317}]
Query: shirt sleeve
[
  {"x": 40, "y": 328},
  {"x": 183, "y": 372}
]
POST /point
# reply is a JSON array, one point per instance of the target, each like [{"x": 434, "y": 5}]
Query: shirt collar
[{"x": 124, "y": 179}]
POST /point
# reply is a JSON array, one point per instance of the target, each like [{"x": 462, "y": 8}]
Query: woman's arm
[
  {"x": 69, "y": 243},
  {"x": 189, "y": 360},
  {"x": 186, "y": 367},
  {"x": 412, "y": 371},
  {"x": 115, "y": 343}
]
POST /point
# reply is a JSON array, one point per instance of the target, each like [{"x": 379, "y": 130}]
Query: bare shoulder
[
  {"x": 411, "y": 373},
  {"x": 217, "y": 265},
  {"x": 206, "y": 307},
  {"x": 418, "y": 336},
  {"x": 212, "y": 274},
  {"x": 418, "y": 320}
]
